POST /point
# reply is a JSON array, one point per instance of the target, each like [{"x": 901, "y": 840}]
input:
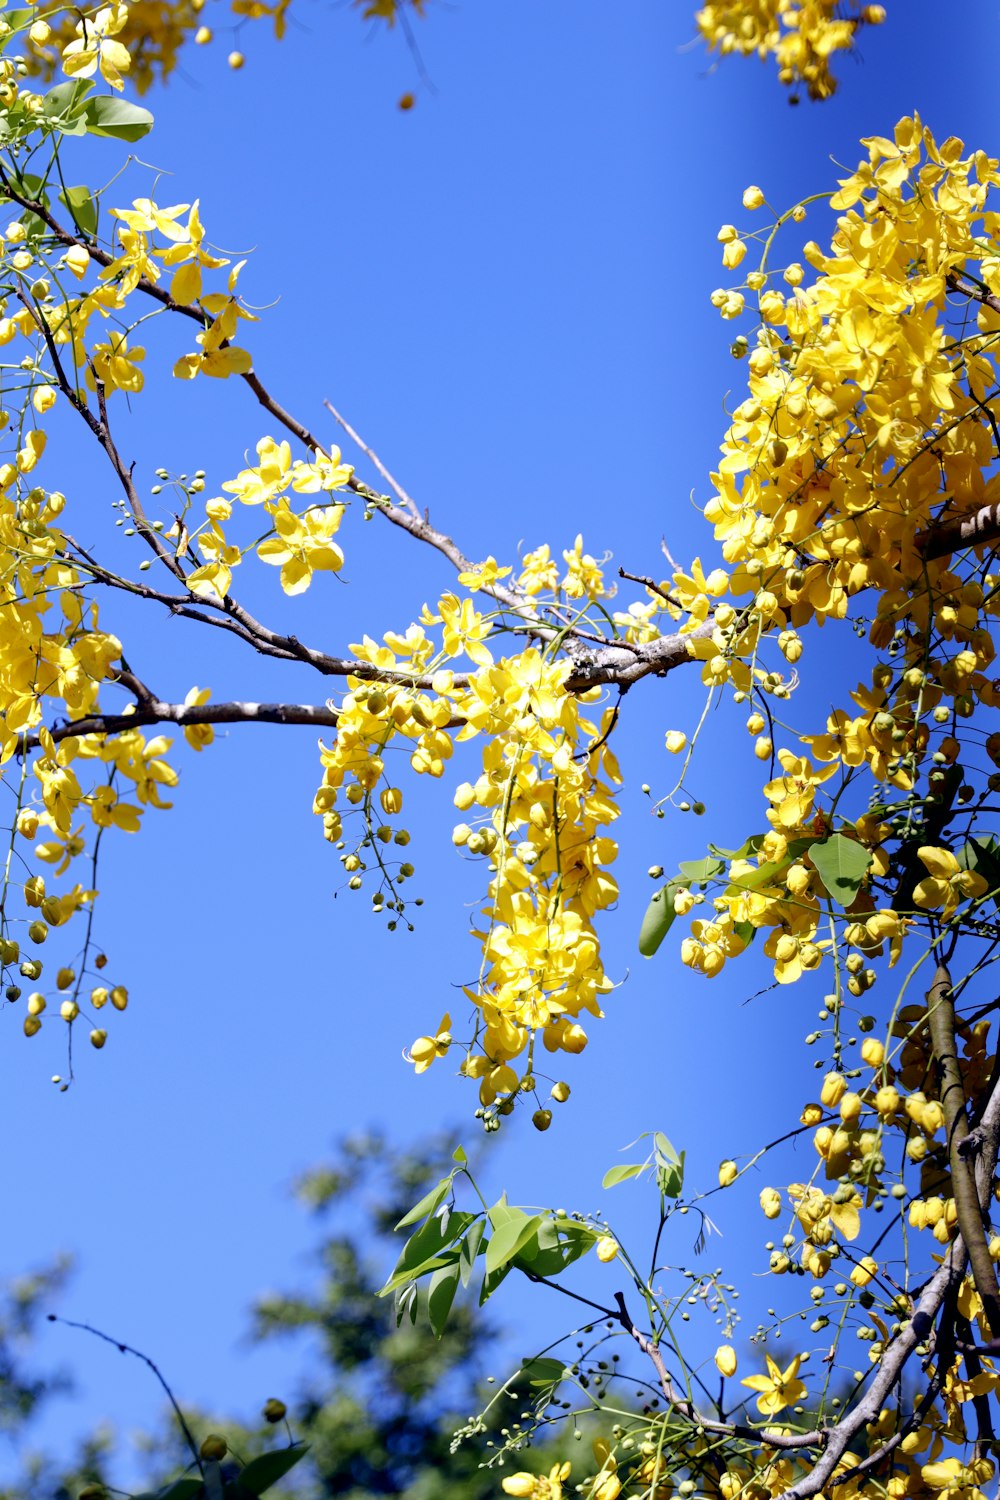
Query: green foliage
[{"x": 843, "y": 865}]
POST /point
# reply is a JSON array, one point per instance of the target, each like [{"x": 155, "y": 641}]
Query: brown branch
[
  {"x": 593, "y": 668},
  {"x": 954, "y": 533},
  {"x": 652, "y": 585},
  {"x": 947, "y": 1277},
  {"x": 152, "y": 711},
  {"x": 941, "y": 1023},
  {"x": 680, "y": 1403}
]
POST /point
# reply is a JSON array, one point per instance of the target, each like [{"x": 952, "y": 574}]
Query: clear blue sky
[{"x": 506, "y": 291}]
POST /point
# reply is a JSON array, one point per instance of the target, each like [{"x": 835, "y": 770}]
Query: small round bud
[
  {"x": 214, "y": 1446},
  {"x": 274, "y": 1410}
]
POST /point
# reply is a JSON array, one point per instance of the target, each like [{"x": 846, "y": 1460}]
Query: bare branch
[{"x": 397, "y": 489}]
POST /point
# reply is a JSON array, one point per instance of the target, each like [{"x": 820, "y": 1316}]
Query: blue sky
[{"x": 506, "y": 290}]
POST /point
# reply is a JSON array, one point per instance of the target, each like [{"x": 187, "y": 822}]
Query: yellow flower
[
  {"x": 481, "y": 575},
  {"x": 725, "y": 1359},
  {"x": 95, "y": 47},
  {"x": 946, "y": 883},
  {"x": 770, "y": 1202},
  {"x": 465, "y": 629},
  {"x": 538, "y": 1486},
  {"x": 198, "y": 735},
  {"x": 793, "y": 793},
  {"x": 728, "y": 1173},
  {"x": 958, "y": 1481},
  {"x": 607, "y": 1248},
  {"x": 116, "y": 365},
  {"x": 865, "y": 1271},
  {"x": 777, "y": 1388},
  {"x": 303, "y": 544},
  {"x": 583, "y": 578},
  {"x": 538, "y": 572},
  {"x": 426, "y": 1048}
]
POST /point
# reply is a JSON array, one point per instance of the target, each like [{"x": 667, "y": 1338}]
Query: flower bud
[{"x": 770, "y": 1202}]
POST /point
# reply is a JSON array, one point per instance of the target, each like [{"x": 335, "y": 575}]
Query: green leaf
[
  {"x": 842, "y": 864},
  {"x": 659, "y": 917},
  {"x": 180, "y": 1489},
  {"x": 508, "y": 1240},
  {"x": 406, "y": 1302},
  {"x": 748, "y": 847},
  {"x": 67, "y": 97},
  {"x": 664, "y": 1150},
  {"x": 558, "y": 1244},
  {"x": 62, "y": 107},
  {"x": 428, "y": 1203},
  {"x": 614, "y": 1175},
  {"x": 540, "y": 1371},
  {"x": 111, "y": 116},
  {"x": 423, "y": 1251},
  {"x": 669, "y": 1166},
  {"x": 32, "y": 186},
  {"x": 670, "y": 1178},
  {"x": 440, "y": 1296},
  {"x": 261, "y": 1473},
  {"x": 492, "y": 1280},
  {"x": 982, "y": 856},
  {"x": 81, "y": 204},
  {"x": 469, "y": 1250},
  {"x": 702, "y": 869}
]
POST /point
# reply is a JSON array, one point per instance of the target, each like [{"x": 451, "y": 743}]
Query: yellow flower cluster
[
  {"x": 301, "y": 542},
  {"x": 538, "y": 811},
  {"x": 53, "y": 660},
  {"x": 801, "y": 35},
  {"x": 862, "y": 432}
]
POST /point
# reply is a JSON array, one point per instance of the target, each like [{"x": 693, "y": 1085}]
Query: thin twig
[
  {"x": 359, "y": 442},
  {"x": 138, "y": 1354},
  {"x": 652, "y": 585}
]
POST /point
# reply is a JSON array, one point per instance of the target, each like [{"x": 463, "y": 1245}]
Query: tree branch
[
  {"x": 153, "y": 711},
  {"x": 941, "y": 1022},
  {"x": 687, "y": 1409}
]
